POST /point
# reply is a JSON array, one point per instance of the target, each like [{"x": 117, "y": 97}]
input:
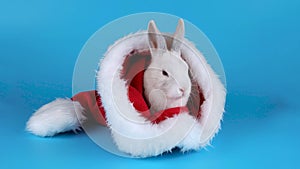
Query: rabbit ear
[
  {"x": 178, "y": 36},
  {"x": 156, "y": 39}
]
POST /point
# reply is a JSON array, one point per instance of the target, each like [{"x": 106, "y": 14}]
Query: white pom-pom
[{"x": 57, "y": 116}]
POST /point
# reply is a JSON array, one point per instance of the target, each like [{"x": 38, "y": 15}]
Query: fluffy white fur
[
  {"x": 57, "y": 116},
  {"x": 133, "y": 133}
]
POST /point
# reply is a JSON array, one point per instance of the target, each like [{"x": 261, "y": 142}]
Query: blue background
[{"x": 258, "y": 42}]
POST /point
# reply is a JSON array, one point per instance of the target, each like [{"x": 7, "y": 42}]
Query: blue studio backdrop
[{"x": 258, "y": 42}]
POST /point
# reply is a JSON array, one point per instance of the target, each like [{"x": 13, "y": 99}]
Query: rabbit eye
[{"x": 165, "y": 73}]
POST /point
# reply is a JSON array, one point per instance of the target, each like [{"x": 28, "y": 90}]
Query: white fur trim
[
  {"x": 133, "y": 133},
  {"x": 57, "y": 116}
]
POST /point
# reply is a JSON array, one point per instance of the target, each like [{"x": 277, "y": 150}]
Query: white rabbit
[{"x": 166, "y": 81}]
